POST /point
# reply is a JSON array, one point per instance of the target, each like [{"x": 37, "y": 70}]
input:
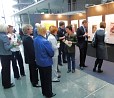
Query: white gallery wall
[
  {"x": 73, "y": 22},
  {"x": 80, "y": 22},
  {"x": 93, "y": 21},
  {"x": 109, "y": 19}
]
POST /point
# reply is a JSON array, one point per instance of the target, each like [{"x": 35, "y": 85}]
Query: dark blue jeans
[
  {"x": 71, "y": 61},
  {"x": 63, "y": 54}
]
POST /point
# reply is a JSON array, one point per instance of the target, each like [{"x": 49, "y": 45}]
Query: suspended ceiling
[{"x": 43, "y": 4}]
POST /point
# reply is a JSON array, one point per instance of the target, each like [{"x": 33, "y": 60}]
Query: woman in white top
[
  {"x": 52, "y": 39},
  {"x": 16, "y": 54}
]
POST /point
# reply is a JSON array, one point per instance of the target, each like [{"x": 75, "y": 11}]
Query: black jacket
[
  {"x": 29, "y": 52},
  {"x": 101, "y": 50},
  {"x": 73, "y": 39},
  {"x": 61, "y": 32},
  {"x": 81, "y": 40}
]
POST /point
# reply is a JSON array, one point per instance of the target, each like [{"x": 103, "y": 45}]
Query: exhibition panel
[
  {"x": 74, "y": 24},
  {"x": 110, "y": 27},
  {"x": 48, "y": 23},
  {"x": 93, "y": 25},
  {"x": 95, "y": 15},
  {"x": 80, "y": 21}
]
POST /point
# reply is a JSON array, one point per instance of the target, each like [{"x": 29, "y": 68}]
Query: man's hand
[{"x": 86, "y": 34}]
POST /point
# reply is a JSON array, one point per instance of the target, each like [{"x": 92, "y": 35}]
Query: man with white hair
[{"x": 29, "y": 54}]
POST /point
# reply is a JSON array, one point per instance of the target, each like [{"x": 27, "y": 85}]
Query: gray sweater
[{"x": 4, "y": 44}]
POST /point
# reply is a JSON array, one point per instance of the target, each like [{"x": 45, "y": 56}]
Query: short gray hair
[
  {"x": 3, "y": 28},
  {"x": 25, "y": 27}
]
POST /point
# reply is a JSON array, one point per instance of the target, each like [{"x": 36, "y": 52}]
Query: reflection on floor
[{"x": 72, "y": 85}]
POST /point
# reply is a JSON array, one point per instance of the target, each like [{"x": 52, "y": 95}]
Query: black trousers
[
  {"x": 6, "y": 78},
  {"x": 16, "y": 56},
  {"x": 46, "y": 80},
  {"x": 83, "y": 52},
  {"x": 99, "y": 63},
  {"x": 33, "y": 70},
  {"x": 63, "y": 54}
]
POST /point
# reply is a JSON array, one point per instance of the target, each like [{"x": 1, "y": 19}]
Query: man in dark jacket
[
  {"x": 30, "y": 54},
  {"x": 61, "y": 35},
  {"x": 82, "y": 36}
]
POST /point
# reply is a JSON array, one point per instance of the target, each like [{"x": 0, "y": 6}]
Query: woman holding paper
[{"x": 70, "y": 43}]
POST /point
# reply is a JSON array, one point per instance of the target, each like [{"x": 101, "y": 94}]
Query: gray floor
[{"x": 72, "y": 85}]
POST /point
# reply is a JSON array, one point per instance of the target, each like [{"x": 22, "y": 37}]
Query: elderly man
[{"x": 30, "y": 54}]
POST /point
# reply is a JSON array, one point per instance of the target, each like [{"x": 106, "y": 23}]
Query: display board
[
  {"x": 109, "y": 19},
  {"x": 48, "y": 23},
  {"x": 65, "y": 21},
  {"x": 74, "y": 24},
  {"x": 80, "y": 22},
  {"x": 93, "y": 25}
]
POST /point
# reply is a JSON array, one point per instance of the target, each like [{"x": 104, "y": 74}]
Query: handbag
[{"x": 94, "y": 41}]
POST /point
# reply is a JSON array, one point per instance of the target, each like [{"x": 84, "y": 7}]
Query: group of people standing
[
  {"x": 100, "y": 37},
  {"x": 45, "y": 52}
]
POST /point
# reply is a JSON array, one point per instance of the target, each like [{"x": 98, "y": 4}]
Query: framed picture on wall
[
  {"x": 48, "y": 23},
  {"x": 93, "y": 25},
  {"x": 74, "y": 24},
  {"x": 112, "y": 28},
  {"x": 109, "y": 19},
  {"x": 94, "y": 28}
]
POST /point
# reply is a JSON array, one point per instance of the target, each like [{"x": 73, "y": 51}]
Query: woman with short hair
[
  {"x": 5, "y": 56},
  {"x": 52, "y": 39},
  {"x": 29, "y": 54},
  {"x": 44, "y": 53},
  {"x": 101, "y": 53}
]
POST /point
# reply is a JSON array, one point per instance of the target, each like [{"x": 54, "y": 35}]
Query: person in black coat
[
  {"x": 61, "y": 35},
  {"x": 29, "y": 54},
  {"x": 101, "y": 51},
  {"x": 82, "y": 36}
]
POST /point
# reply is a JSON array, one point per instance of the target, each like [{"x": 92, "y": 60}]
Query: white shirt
[
  {"x": 13, "y": 40},
  {"x": 53, "y": 41}
]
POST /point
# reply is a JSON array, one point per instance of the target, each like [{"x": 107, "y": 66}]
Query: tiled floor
[{"x": 72, "y": 85}]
